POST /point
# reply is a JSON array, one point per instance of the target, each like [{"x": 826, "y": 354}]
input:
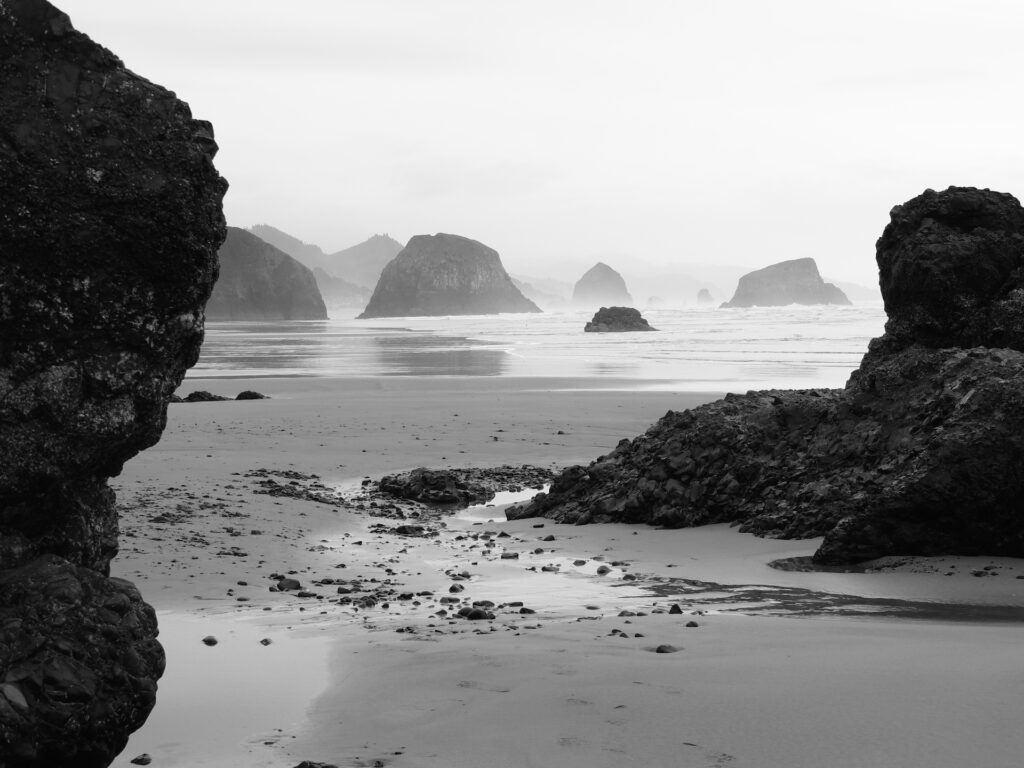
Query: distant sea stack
[
  {"x": 362, "y": 264},
  {"x": 337, "y": 292},
  {"x": 260, "y": 282},
  {"x": 309, "y": 254},
  {"x": 617, "y": 320},
  {"x": 445, "y": 275},
  {"x": 600, "y": 286},
  {"x": 704, "y": 296},
  {"x": 796, "y": 281}
]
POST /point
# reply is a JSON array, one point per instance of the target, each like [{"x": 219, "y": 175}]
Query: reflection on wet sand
[{"x": 422, "y": 355}]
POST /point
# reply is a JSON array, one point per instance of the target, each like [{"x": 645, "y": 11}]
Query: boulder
[
  {"x": 445, "y": 275},
  {"x": 260, "y": 282},
  {"x": 617, "y": 320},
  {"x": 436, "y": 487},
  {"x": 110, "y": 220},
  {"x": 921, "y": 454},
  {"x": 789, "y": 282},
  {"x": 600, "y": 286}
]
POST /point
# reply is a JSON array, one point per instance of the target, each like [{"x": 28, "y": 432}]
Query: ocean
[{"x": 694, "y": 349}]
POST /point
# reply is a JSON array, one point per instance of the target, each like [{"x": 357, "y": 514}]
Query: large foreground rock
[
  {"x": 921, "y": 453},
  {"x": 445, "y": 275},
  {"x": 789, "y": 282},
  {"x": 110, "y": 220},
  {"x": 261, "y": 282}
]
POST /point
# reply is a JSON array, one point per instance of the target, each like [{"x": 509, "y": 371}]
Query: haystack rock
[
  {"x": 445, "y": 275},
  {"x": 260, "y": 282},
  {"x": 617, "y": 320},
  {"x": 920, "y": 454},
  {"x": 789, "y": 282},
  {"x": 110, "y": 221},
  {"x": 600, "y": 286},
  {"x": 704, "y": 296}
]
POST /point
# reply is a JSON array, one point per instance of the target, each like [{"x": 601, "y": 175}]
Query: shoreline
[{"x": 462, "y": 694}]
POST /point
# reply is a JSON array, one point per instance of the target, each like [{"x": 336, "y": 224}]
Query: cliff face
[
  {"x": 260, "y": 282},
  {"x": 922, "y": 453},
  {"x": 789, "y": 282},
  {"x": 445, "y": 275},
  {"x": 600, "y": 286},
  {"x": 110, "y": 220}
]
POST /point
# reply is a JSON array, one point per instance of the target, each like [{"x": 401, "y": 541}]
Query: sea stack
[
  {"x": 617, "y": 320},
  {"x": 704, "y": 296},
  {"x": 260, "y": 282},
  {"x": 600, "y": 286},
  {"x": 110, "y": 221},
  {"x": 789, "y": 282},
  {"x": 445, "y": 275},
  {"x": 920, "y": 454}
]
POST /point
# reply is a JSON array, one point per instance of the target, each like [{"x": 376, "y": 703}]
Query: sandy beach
[{"x": 769, "y": 668}]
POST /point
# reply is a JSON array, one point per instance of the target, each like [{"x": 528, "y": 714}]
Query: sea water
[{"x": 694, "y": 349}]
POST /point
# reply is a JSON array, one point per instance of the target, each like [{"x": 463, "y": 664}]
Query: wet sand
[{"x": 777, "y": 672}]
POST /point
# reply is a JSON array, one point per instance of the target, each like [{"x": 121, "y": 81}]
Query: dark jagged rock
[
  {"x": 617, "y": 320},
  {"x": 202, "y": 396},
  {"x": 445, "y": 275},
  {"x": 789, "y": 282},
  {"x": 461, "y": 487},
  {"x": 921, "y": 453},
  {"x": 110, "y": 220},
  {"x": 250, "y": 394},
  {"x": 80, "y": 661},
  {"x": 600, "y": 286},
  {"x": 260, "y": 282}
]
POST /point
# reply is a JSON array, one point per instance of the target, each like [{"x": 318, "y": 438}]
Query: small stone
[
  {"x": 210, "y": 640},
  {"x": 666, "y": 649},
  {"x": 675, "y": 609},
  {"x": 143, "y": 759},
  {"x": 692, "y": 624}
]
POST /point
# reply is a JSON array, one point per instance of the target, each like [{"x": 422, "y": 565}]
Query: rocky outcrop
[
  {"x": 445, "y": 275},
  {"x": 789, "y": 282},
  {"x": 260, "y": 282},
  {"x": 617, "y": 320},
  {"x": 110, "y": 220},
  {"x": 921, "y": 453},
  {"x": 362, "y": 263},
  {"x": 600, "y": 286},
  {"x": 704, "y": 296}
]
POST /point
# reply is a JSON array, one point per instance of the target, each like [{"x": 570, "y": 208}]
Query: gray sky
[{"x": 742, "y": 132}]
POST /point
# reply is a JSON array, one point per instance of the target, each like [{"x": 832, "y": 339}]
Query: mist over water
[{"x": 696, "y": 349}]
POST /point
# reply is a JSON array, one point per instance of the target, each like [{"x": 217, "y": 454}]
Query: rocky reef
[
  {"x": 110, "y": 220},
  {"x": 261, "y": 282},
  {"x": 445, "y": 275},
  {"x": 796, "y": 281},
  {"x": 617, "y": 320},
  {"x": 600, "y": 286},
  {"x": 923, "y": 451}
]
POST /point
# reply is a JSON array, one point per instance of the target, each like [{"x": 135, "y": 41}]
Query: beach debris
[{"x": 143, "y": 759}]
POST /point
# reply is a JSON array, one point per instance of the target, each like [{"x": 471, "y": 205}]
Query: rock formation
[
  {"x": 306, "y": 253},
  {"x": 922, "y": 452},
  {"x": 445, "y": 275},
  {"x": 600, "y": 286},
  {"x": 789, "y": 282},
  {"x": 362, "y": 263},
  {"x": 704, "y": 296},
  {"x": 110, "y": 220},
  {"x": 260, "y": 282},
  {"x": 617, "y": 320}
]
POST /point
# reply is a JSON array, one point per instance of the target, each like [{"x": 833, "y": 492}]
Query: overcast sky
[{"x": 742, "y": 132}]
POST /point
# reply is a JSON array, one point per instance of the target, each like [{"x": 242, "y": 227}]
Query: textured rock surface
[
  {"x": 80, "y": 660},
  {"x": 260, "y": 282},
  {"x": 110, "y": 219},
  {"x": 617, "y": 320},
  {"x": 921, "y": 453},
  {"x": 445, "y": 275},
  {"x": 600, "y": 286},
  {"x": 789, "y": 282}
]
